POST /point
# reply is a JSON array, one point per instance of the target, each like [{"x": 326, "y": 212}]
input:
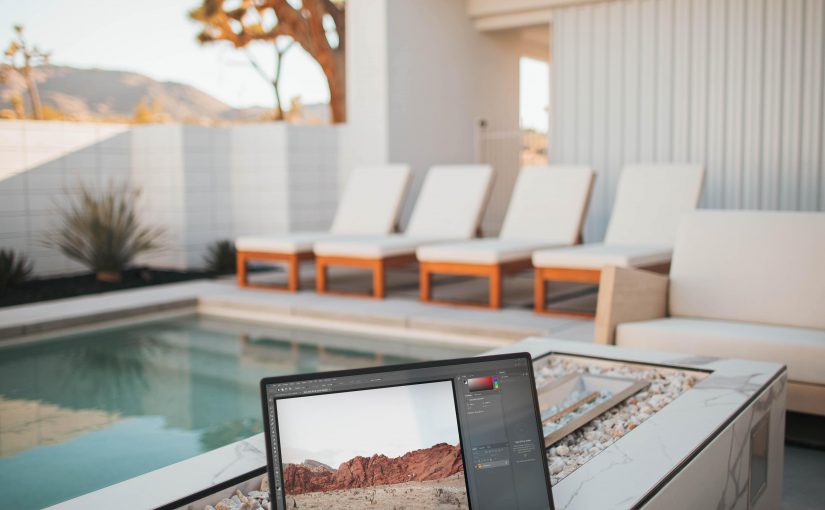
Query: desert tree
[
  {"x": 20, "y": 58},
  {"x": 318, "y": 26}
]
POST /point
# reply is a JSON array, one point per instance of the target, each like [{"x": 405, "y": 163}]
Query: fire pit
[{"x": 587, "y": 404}]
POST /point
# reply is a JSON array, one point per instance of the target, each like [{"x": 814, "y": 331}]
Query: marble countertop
[{"x": 618, "y": 477}]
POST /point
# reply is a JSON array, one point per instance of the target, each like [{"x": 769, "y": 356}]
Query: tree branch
[
  {"x": 337, "y": 15},
  {"x": 257, "y": 67}
]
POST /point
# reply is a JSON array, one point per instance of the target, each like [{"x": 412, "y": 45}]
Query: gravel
[{"x": 578, "y": 447}]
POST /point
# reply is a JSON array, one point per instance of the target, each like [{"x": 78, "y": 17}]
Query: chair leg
[
  {"x": 293, "y": 267},
  {"x": 241, "y": 269},
  {"x": 378, "y": 272},
  {"x": 424, "y": 283},
  {"x": 539, "y": 292},
  {"x": 320, "y": 276},
  {"x": 495, "y": 287}
]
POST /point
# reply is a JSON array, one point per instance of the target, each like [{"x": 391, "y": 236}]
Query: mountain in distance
[
  {"x": 99, "y": 94},
  {"x": 434, "y": 463}
]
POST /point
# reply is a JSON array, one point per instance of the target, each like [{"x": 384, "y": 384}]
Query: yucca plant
[
  {"x": 15, "y": 268},
  {"x": 102, "y": 231},
  {"x": 221, "y": 257}
]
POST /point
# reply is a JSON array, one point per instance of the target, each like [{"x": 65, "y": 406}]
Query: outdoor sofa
[
  {"x": 448, "y": 208},
  {"x": 547, "y": 209},
  {"x": 743, "y": 284},
  {"x": 370, "y": 205},
  {"x": 650, "y": 200}
]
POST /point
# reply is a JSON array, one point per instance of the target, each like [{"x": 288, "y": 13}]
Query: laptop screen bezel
[{"x": 270, "y": 471}]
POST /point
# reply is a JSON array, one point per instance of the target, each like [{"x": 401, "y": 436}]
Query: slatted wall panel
[{"x": 736, "y": 85}]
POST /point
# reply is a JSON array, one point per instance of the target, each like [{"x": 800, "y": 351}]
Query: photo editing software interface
[{"x": 461, "y": 435}]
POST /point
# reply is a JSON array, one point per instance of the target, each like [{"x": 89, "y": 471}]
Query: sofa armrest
[{"x": 628, "y": 295}]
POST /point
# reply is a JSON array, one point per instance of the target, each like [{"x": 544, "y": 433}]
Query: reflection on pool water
[{"x": 81, "y": 412}]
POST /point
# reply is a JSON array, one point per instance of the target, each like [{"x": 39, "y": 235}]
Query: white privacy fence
[
  {"x": 735, "y": 86},
  {"x": 199, "y": 183}
]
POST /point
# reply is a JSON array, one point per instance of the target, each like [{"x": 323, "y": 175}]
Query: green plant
[
  {"x": 14, "y": 268},
  {"x": 221, "y": 257},
  {"x": 102, "y": 231}
]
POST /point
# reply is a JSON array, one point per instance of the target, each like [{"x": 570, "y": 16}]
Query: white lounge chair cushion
[
  {"x": 301, "y": 242},
  {"x": 451, "y": 201},
  {"x": 372, "y": 200},
  {"x": 478, "y": 251},
  {"x": 751, "y": 266},
  {"x": 801, "y": 349},
  {"x": 650, "y": 202},
  {"x": 370, "y": 247},
  {"x": 548, "y": 204},
  {"x": 597, "y": 256},
  {"x": 370, "y": 205}
]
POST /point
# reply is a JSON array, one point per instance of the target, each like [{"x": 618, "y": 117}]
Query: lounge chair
[
  {"x": 744, "y": 284},
  {"x": 448, "y": 208},
  {"x": 370, "y": 205},
  {"x": 650, "y": 201},
  {"x": 547, "y": 209}
]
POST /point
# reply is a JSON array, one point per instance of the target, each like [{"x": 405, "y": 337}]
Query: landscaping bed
[{"x": 45, "y": 289}]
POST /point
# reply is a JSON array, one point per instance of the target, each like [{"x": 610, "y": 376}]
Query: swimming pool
[{"x": 80, "y": 412}]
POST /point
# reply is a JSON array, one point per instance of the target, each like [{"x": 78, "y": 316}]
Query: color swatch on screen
[{"x": 483, "y": 383}]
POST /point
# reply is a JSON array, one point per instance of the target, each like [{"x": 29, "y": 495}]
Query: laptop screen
[{"x": 452, "y": 434}]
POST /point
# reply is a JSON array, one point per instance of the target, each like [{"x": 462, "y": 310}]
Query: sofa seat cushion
[
  {"x": 801, "y": 349},
  {"x": 370, "y": 247},
  {"x": 597, "y": 256},
  {"x": 479, "y": 251},
  {"x": 301, "y": 242}
]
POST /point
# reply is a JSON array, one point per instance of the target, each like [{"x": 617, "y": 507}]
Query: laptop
[{"x": 462, "y": 433}]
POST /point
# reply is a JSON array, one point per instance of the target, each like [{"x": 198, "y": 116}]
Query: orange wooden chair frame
[
  {"x": 378, "y": 267},
  {"x": 493, "y": 272},
  {"x": 292, "y": 260}
]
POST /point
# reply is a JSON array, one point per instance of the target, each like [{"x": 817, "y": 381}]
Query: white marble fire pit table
[{"x": 718, "y": 444}]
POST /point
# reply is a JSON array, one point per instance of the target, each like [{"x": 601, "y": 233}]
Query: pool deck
[{"x": 401, "y": 312}]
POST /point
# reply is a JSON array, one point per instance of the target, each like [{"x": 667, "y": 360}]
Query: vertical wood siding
[{"x": 736, "y": 85}]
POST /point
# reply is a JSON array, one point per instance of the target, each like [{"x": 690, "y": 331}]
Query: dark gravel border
[{"x": 47, "y": 289}]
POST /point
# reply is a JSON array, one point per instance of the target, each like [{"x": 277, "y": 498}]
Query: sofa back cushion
[
  {"x": 548, "y": 204},
  {"x": 451, "y": 202},
  {"x": 372, "y": 200},
  {"x": 749, "y": 266},
  {"x": 650, "y": 202}
]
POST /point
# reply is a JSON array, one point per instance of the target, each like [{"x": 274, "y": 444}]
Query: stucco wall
[{"x": 431, "y": 77}]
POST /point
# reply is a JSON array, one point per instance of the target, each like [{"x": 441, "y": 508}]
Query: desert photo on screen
[{"x": 384, "y": 448}]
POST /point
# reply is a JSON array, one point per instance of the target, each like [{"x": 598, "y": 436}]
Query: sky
[
  {"x": 534, "y": 93},
  {"x": 334, "y": 428},
  {"x": 156, "y": 38}
]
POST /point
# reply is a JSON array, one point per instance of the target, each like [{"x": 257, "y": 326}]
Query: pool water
[{"x": 81, "y": 412}]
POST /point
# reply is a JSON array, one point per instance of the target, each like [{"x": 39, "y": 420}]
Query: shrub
[
  {"x": 14, "y": 269},
  {"x": 103, "y": 232},
  {"x": 221, "y": 257}
]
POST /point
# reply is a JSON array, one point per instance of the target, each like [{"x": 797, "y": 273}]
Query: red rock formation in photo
[{"x": 434, "y": 463}]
